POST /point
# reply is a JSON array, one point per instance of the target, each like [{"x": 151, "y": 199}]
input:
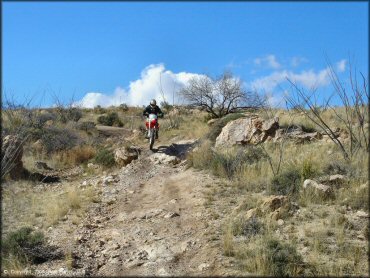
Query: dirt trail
[{"x": 155, "y": 225}]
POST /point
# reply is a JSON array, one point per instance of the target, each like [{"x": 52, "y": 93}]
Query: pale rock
[
  {"x": 280, "y": 222},
  {"x": 162, "y": 158},
  {"x": 125, "y": 155},
  {"x": 171, "y": 215},
  {"x": 249, "y": 130},
  {"x": 321, "y": 188},
  {"x": 274, "y": 202},
  {"x": 203, "y": 266},
  {"x": 362, "y": 214}
]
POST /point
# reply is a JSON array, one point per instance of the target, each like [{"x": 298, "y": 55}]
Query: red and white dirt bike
[{"x": 152, "y": 126}]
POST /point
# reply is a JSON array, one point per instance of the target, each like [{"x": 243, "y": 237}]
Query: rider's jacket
[{"x": 152, "y": 110}]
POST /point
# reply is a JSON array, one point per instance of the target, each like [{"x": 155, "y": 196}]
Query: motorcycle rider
[{"x": 153, "y": 109}]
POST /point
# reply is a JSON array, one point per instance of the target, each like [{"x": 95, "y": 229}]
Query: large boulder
[
  {"x": 125, "y": 155},
  {"x": 11, "y": 157},
  {"x": 250, "y": 130}
]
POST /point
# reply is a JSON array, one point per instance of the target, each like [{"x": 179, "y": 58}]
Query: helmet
[{"x": 153, "y": 102}]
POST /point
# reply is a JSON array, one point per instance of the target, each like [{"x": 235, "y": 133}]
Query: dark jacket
[{"x": 153, "y": 110}]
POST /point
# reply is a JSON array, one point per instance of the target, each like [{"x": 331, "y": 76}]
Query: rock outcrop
[
  {"x": 250, "y": 130},
  {"x": 11, "y": 157}
]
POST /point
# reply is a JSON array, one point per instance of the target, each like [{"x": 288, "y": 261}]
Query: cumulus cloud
[
  {"x": 268, "y": 61},
  {"x": 154, "y": 80},
  {"x": 341, "y": 65},
  {"x": 309, "y": 79}
]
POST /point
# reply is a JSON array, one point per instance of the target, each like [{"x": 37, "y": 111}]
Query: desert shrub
[
  {"x": 357, "y": 197},
  {"x": 123, "y": 107},
  {"x": 287, "y": 182},
  {"x": 18, "y": 242},
  {"x": 105, "y": 157},
  {"x": 219, "y": 124},
  {"x": 111, "y": 119},
  {"x": 88, "y": 126},
  {"x": 166, "y": 106},
  {"x": 74, "y": 114},
  {"x": 224, "y": 163},
  {"x": 68, "y": 114},
  {"x": 231, "y": 162},
  {"x": 308, "y": 169},
  {"x": 41, "y": 119},
  {"x": 58, "y": 139},
  {"x": 99, "y": 110},
  {"x": 201, "y": 156},
  {"x": 283, "y": 259},
  {"x": 336, "y": 167},
  {"x": 247, "y": 227},
  {"x": 77, "y": 155},
  {"x": 271, "y": 257}
]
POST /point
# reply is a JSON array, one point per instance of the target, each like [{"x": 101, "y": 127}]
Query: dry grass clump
[
  {"x": 76, "y": 155},
  {"x": 266, "y": 255}
]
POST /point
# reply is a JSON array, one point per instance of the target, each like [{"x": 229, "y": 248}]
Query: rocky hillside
[{"x": 247, "y": 194}]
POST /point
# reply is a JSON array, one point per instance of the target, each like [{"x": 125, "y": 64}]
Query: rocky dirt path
[{"x": 152, "y": 221}]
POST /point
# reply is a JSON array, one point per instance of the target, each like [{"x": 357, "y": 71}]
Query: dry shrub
[
  {"x": 268, "y": 256},
  {"x": 74, "y": 199},
  {"x": 228, "y": 245},
  {"x": 77, "y": 155},
  {"x": 201, "y": 156}
]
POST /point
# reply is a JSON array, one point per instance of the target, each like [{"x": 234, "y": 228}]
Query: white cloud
[
  {"x": 268, "y": 61},
  {"x": 154, "y": 79},
  {"x": 309, "y": 79},
  {"x": 341, "y": 65}
]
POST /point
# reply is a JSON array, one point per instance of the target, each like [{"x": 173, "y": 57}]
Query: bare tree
[
  {"x": 354, "y": 102},
  {"x": 220, "y": 96}
]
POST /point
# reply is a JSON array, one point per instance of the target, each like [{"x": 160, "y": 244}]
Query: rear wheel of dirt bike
[{"x": 151, "y": 138}]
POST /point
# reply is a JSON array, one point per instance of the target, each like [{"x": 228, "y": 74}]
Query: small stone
[
  {"x": 173, "y": 201},
  {"x": 171, "y": 215},
  {"x": 361, "y": 237},
  {"x": 203, "y": 266},
  {"x": 280, "y": 222}
]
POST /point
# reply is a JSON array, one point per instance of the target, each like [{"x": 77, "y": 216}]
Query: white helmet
[{"x": 153, "y": 102}]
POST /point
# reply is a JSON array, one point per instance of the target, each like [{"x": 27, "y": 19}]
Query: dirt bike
[{"x": 152, "y": 126}]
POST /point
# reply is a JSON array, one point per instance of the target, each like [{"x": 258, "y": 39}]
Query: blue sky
[{"x": 110, "y": 52}]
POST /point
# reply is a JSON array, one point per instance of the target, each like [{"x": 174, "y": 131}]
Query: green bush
[
  {"x": 111, "y": 119},
  {"x": 220, "y": 123},
  {"x": 308, "y": 170},
  {"x": 283, "y": 259},
  {"x": 229, "y": 163},
  {"x": 58, "y": 139},
  {"x": 99, "y": 110},
  {"x": 105, "y": 157},
  {"x": 287, "y": 182},
  {"x": 123, "y": 107},
  {"x": 86, "y": 126},
  {"x": 68, "y": 114},
  {"x": 18, "y": 242},
  {"x": 247, "y": 227}
]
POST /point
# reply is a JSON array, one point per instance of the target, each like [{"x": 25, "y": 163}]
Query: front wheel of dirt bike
[{"x": 151, "y": 138}]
